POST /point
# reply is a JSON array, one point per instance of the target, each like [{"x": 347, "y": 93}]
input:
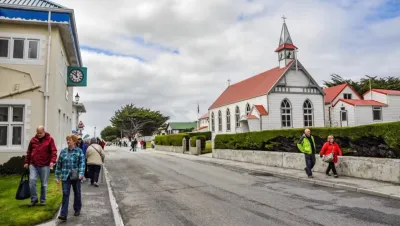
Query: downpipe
[{"x": 46, "y": 92}]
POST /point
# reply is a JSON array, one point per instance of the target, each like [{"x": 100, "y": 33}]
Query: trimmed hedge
[
  {"x": 207, "y": 134},
  {"x": 376, "y": 140},
  {"x": 202, "y": 141},
  {"x": 171, "y": 139}
]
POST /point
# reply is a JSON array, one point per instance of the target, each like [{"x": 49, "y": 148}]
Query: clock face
[{"x": 76, "y": 76}]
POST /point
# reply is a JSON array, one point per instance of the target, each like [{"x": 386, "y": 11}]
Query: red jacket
[
  {"x": 41, "y": 151},
  {"x": 328, "y": 148}
]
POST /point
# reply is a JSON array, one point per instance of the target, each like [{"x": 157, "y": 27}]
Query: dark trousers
[
  {"x": 332, "y": 167},
  {"x": 310, "y": 162},
  {"x": 66, "y": 188},
  {"x": 86, "y": 170},
  {"x": 94, "y": 171}
]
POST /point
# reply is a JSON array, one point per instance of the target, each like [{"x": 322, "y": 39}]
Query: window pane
[
  {"x": 4, "y": 47},
  {"x": 3, "y": 114},
  {"x": 33, "y": 49},
  {"x": 18, "y": 49},
  {"x": 3, "y": 135},
  {"x": 17, "y": 135},
  {"x": 377, "y": 115},
  {"x": 18, "y": 113}
]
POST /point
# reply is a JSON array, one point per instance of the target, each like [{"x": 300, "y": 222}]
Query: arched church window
[
  {"x": 286, "y": 113},
  {"x": 248, "y": 109},
  {"x": 237, "y": 116},
  {"x": 308, "y": 113},
  {"x": 228, "y": 120},
  {"x": 212, "y": 122},
  {"x": 219, "y": 121}
]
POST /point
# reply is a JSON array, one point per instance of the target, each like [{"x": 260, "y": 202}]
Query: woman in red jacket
[{"x": 331, "y": 147}]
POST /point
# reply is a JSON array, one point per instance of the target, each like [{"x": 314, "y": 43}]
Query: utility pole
[
  {"x": 370, "y": 85},
  {"x": 94, "y": 132}
]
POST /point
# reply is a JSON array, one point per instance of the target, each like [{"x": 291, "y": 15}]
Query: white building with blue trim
[{"x": 38, "y": 42}]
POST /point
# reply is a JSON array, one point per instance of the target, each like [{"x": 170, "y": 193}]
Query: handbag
[
  {"x": 329, "y": 157},
  {"x": 23, "y": 191}
]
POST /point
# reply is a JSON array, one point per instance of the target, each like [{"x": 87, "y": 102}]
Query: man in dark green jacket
[{"x": 306, "y": 144}]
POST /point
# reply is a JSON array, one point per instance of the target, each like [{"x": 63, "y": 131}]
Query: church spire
[{"x": 286, "y": 47}]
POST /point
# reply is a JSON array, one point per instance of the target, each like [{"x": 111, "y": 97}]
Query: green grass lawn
[
  {"x": 16, "y": 212},
  {"x": 208, "y": 148}
]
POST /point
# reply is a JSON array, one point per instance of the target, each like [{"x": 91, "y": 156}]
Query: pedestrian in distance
[
  {"x": 306, "y": 144},
  {"x": 40, "y": 158},
  {"x": 331, "y": 147},
  {"x": 70, "y": 169},
  {"x": 95, "y": 158},
  {"x": 82, "y": 145}
]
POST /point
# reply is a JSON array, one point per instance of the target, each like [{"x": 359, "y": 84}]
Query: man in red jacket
[{"x": 40, "y": 158}]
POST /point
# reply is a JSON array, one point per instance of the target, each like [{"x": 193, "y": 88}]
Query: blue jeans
[
  {"x": 66, "y": 188},
  {"x": 34, "y": 173}
]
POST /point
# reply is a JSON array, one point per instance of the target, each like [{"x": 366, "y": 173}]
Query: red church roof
[
  {"x": 332, "y": 92},
  {"x": 286, "y": 46},
  {"x": 261, "y": 110},
  {"x": 363, "y": 102},
  {"x": 204, "y": 116},
  {"x": 387, "y": 91},
  {"x": 255, "y": 86}
]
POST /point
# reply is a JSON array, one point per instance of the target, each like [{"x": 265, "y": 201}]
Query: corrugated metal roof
[{"x": 33, "y": 3}]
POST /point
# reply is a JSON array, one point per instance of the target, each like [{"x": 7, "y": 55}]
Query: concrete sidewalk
[{"x": 370, "y": 187}]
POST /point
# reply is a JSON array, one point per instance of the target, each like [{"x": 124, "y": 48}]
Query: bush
[
  {"x": 206, "y": 134},
  {"x": 14, "y": 166},
  {"x": 171, "y": 140},
  {"x": 202, "y": 141},
  {"x": 377, "y": 140}
]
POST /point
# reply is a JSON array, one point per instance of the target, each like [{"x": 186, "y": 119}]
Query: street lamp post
[{"x": 77, "y": 98}]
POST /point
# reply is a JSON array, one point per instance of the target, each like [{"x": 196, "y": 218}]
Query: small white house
[
  {"x": 203, "y": 123},
  {"x": 345, "y": 107},
  {"x": 283, "y": 97}
]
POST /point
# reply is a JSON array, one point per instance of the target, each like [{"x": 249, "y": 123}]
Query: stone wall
[
  {"x": 381, "y": 169},
  {"x": 176, "y": 149}
]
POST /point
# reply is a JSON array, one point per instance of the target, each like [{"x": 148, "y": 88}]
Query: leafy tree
[
  {"x": 363, "y": 85},
  {"x": 109, "y": 133},
  {"x": 132, "y": 120}
]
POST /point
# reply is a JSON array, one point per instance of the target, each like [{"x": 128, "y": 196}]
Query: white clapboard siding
[
  {"x": 354, "y": 95},
  {"x": 336, "y": 115},
  {"x": 383, "y": 98},
  {"x": 296, "y": 100},
  {"x": 261, "y": 100},
  {"x": 393, "y": 110},
  {"x": 298, "y": 78}
]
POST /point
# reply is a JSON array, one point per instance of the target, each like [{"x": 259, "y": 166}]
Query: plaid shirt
[{"x": 67, "y": 160}]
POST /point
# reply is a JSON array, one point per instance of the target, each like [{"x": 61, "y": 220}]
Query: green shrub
[
  {"x": 171, "y": 140},
  {"x": 377, "y": 140},
  {"x": 206, "y": 134},
  {"x": 13, "y": 166},
  {"x": 202, "y": 141}
]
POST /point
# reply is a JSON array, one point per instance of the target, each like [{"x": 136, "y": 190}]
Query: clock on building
[{"x": 76, "y": 75}]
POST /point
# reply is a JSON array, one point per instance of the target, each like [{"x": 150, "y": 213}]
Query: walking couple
[{"x": 306, "y": 144}]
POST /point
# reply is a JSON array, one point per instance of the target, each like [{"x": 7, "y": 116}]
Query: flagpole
[{"x": 198, "y": 121}]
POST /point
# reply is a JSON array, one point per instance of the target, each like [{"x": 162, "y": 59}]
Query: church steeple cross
[{"x": 284, "y": 18}]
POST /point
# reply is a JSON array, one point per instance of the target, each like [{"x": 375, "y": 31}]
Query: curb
[
  {"x": 313, "y": 181},
  {"x": 114, "y": 206}
]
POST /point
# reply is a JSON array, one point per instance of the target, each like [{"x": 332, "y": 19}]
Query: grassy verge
[
  {"x": 16, "y": 212},
  {"x": 208, "y": 148}
]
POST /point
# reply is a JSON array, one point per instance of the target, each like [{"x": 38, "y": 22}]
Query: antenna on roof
[{"x": 229, "y": 82}]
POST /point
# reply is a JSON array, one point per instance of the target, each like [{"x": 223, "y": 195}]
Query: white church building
[{"x": 283, "y": 97}]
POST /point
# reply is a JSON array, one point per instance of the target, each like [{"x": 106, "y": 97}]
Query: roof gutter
[{"x": 69, "y": 11}]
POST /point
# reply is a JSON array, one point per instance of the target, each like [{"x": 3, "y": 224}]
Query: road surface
[{"x": 157, "y": 189}]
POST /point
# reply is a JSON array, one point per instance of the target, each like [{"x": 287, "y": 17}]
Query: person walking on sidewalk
[
  {"x": 70, "y": 170},
  {"x": 306, "y": 144},
  {"x": 40, "y": 158},
  {"x": 331, "y": 147},
  {"x": 95, "y": 158},
  {"x": 82, "y": 145}
]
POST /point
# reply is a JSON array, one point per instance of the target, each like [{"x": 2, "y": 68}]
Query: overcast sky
[{"x": 168, "y": 54}]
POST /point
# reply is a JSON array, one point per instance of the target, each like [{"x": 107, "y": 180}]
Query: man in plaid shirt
[{"x": 70, "y": 164}]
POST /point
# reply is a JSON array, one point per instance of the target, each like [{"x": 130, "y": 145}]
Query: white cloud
[{"x": 332, "y": 37}]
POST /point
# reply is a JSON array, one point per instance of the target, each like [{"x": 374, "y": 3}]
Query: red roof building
[{"x": 272, "y": 99}]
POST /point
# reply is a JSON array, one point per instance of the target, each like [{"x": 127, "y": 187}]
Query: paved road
[{"x": 156, "y": 189}]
